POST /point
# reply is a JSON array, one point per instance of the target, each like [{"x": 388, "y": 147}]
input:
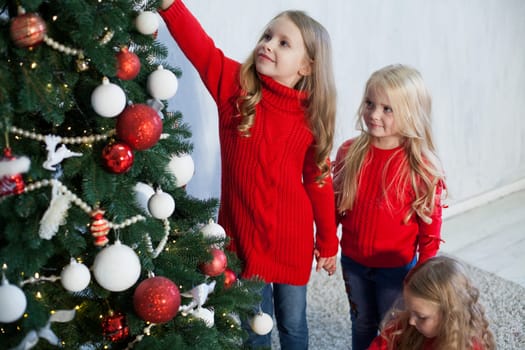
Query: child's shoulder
[{"x": 346, "y": 144}]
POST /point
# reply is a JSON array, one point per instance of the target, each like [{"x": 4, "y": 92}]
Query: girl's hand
[
  {"x": 328, "y": 264},
  {"x": 166, "y": 3}
]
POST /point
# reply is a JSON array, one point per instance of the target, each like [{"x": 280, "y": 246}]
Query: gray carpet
[{"x": 329, "y": 321}]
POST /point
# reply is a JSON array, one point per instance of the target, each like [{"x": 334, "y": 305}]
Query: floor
[{"x": 490, "y": 237}]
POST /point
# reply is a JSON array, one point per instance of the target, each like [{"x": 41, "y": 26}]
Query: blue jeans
[
  {"x": 371, "y": 293},
  {"x": 289, "y": 303}
]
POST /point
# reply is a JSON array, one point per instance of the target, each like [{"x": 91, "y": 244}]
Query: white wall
[{"x": 471, "y": 54}]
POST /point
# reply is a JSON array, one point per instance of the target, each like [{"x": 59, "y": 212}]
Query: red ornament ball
[
  {"x": 117, "y": 157},
  {"x": 27, "y": 30},
  {"x": 217, "y": 265},
  {"x": 139, "y": 126},
  {"x": 114, "y": 327},
  {"x": 229, "y": 278},
  {"x": 128, "y": 64},
  {"x": 156, "y": 300}
]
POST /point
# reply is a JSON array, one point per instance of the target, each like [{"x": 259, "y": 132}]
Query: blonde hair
[
  {"x": 443, "y": 281},
  {"x": 412, "y": 104},
  {"x": 321, "y": 106}
]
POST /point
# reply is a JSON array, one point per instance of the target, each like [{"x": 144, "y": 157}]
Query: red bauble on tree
[
  {"x": 128, "y": 64},
  {"x": 114, "y": 327},
  {"x": 27, "y": 29},
  {"x": 229, "y": 278},
  {"x": 156, "y": 299},
  {"x": 217, "y": 265},
  {"x": 117, "y": 157},
  {"x": 139, "y": 126}
]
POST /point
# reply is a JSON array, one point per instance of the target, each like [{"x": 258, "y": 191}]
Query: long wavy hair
[
  {"x": 320, "y": 86},
  {"x": 443, "y": 281},
  {"x": 422, "y": 171}
]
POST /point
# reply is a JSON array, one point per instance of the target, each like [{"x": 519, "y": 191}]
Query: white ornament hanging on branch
[
  {"x": 116, "y": 267},
  {"x": 213, "y": 230},
  {"x": 261, "y": 323},
  {"x": 182, "y": 167},
  {"x": 161, "y": 205},
  {"x": 13, "y": 302},
  {"x": 162, "y": 84},
  {"x": 207, "y": 315},
  {"x": 75, "y": 277},
  {"x": 108, "y": 99},
  {"x": 147, "y": 22}
]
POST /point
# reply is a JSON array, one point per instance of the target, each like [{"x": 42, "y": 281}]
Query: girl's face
[
  {"x": 281, "y": 53},
  {"x": 379, "y": 118},
  {"x": 424, "y": 315}
]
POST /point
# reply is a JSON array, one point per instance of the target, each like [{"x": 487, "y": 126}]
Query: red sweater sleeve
[
  {"x": 429, "y": 237},
  {"x": 218, "y": 72},
  {"x": 322, "y": 198}
]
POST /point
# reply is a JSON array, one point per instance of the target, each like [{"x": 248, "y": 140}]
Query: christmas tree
[{"x": 101, "y": 247}]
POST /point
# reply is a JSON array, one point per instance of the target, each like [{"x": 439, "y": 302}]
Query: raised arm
[{"x": 218, "y": 72}]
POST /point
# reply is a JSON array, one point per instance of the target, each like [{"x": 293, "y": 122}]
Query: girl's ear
[{"x": 306, "y": 68}]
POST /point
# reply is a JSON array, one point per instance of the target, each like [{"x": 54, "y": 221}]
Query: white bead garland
[
  {"x": 80, "y": 203},
  {"x": 149, "y": 245},
  {"x": 65, "y": 140},
  {"x": 63, "y": 48}
]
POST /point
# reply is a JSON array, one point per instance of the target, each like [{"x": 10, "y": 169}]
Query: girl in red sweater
[
  {"x": 276, "y": 126},
  {"x": 441, "y": 311},
  {"x": 388, "y": 183}
]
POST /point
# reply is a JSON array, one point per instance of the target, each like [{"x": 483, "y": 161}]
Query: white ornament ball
[
  {"x": 75, "y": 277},
  {"x": 162, "y": 84},
  {"x": 182, "y": 167},
  {"x": 261, "y": 323},
  {"x": 213, "y": 230},
  {"x": 108, "y": 99},
  {"x": 206, "y": 315},
  {"x": 161, "y": 205},
  {"x": 116, "y": 267},
  {"x": 13, "y": 302},
  {"x": 147, "y": 22},
  {"x": 143, "y": 193}
]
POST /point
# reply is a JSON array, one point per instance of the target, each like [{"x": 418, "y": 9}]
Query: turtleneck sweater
[
  {"x": 270, "y": 200},
  {"x": 374, "y": 232}
]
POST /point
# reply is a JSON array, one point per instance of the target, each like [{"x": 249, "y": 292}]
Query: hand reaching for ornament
[
  {"x": 328, "y": 264},
  {"x": 166, "y": 3}
]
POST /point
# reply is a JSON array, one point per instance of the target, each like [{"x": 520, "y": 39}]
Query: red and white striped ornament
[{"x": 99, "y": 227}]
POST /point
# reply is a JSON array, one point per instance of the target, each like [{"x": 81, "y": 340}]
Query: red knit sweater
[
  {"x": 269, "y": 197},
  {"x": 373, "y": 232},
  {"x": 380, "y": 343}
]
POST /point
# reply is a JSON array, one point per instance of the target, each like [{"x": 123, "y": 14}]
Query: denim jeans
[
  {"x": 289, "y": 303},
  {"x": 371, "y": 293}
]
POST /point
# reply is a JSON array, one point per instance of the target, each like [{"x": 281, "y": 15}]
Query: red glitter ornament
[
  {"x": 156, "y": 299},
  {"x": 117, "y": 157},
  {"x": 11, "y": 183},
  {"x": 217, "y": 265},
  {"x": 139, "y": 126},
  {"x": 27, "y": 29},
  {"x": 128, "y": 64},
  {"x": 229, "y": 278},
  {"x": 114, "y": 327},
  {"x": 99, "y": 227}
]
